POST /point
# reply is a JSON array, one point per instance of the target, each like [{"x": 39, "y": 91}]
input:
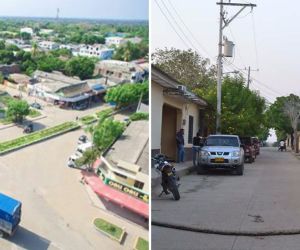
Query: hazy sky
[
  {"x": 103, "y": 9},
  {"x": 277, "y": 36}
]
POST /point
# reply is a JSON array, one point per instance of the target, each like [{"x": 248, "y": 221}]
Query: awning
[{"x": 115, "y": 196}]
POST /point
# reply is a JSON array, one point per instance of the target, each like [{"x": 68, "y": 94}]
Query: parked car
[
  {"x": 36, "y": 105},
  {"x": 222, "y": 152},
  {"x": 82, "y": 139},
  {"x": 10, "y": 215},
  {"x": 81, "y": 106},
  {"x": 256, "y": 145},
  {"x": 84, "y": 147},
  {"x": 249, "y": 149},
  {"x": 28, "y": 128},
  {"x": 72, "y": 159}
]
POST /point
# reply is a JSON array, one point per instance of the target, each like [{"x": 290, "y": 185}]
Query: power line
[
  {"x": 189, "y": 31},
  {"x": 170, "y": 23},
  {"x": 180, "y": 29}
]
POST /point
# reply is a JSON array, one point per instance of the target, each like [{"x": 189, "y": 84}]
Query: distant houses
[{"x": 96, "y": 50}]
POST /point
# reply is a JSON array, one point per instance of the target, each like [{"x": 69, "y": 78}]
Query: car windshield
[{"x": 222, "y": 141}]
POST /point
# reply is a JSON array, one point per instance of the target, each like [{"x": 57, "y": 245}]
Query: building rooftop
[{"x": 132, "y": 147}]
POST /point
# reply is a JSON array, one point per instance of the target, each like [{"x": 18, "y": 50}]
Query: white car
[{"x": 73, "y": 158}]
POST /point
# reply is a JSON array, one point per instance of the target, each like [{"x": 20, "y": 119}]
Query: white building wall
[
  {"x": 156, "y": 114},
  {"x": 184, "y": 111}
]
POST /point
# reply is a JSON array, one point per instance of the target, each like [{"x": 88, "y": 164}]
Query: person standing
[
  {"x": 180, "y": 145},
  {"x": 196, "y": 147}
]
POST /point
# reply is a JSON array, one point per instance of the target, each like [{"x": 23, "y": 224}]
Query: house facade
[
  {"x": 173, "y": 108},
  {"x": 96, "y": 50}
]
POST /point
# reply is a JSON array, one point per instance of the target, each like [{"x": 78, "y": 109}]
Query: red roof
[{"x": 113, "y": 195}]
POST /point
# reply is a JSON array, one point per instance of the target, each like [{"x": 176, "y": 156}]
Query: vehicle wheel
[
  {"x": 175, "y": 193},
  {"x": 253, "y": 159},
  {"x": 3, "y": 234},
  {"x": 201, "y": 169},
  {"x": 240, "y": 169}
]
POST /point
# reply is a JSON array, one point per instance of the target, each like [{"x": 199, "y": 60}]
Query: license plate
[{"x": 219, "y": 159}]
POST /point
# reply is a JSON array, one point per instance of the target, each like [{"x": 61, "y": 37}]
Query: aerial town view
[{"x": 74, "y": 128}]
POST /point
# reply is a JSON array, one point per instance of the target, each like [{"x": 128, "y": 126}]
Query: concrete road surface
[
  {"x": 57, "y": 211},
  {"x": 265, "y": 198}
]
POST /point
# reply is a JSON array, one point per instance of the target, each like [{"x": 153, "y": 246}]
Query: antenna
[{"x": 57, "y": 13}]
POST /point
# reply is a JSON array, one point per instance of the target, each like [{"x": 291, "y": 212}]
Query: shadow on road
[
  {"x": 125, "y": 213},
  {"x": 29, "y": 240}
]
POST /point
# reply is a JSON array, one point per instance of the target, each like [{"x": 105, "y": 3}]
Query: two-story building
[{"x": 96, "y": 50}]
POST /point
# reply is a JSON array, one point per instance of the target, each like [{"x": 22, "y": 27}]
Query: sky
[
  {"x": 266, "y": 39},
  {"x": 100, "y": 9}
]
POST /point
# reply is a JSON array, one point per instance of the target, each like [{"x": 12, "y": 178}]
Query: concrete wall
[{"x": 184, "y": 111}]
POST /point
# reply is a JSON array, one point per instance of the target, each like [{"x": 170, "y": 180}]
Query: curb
[
  {"x": 110, "y": 236},
  {"x": 38, "y": 141},
  {"x": 180, "y": 172},
  {"x": 225, "y": 232},
  {"x": 13, "y": 124}
]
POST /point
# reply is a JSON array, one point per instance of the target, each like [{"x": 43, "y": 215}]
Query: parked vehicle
[
  {"x": 84, "y": 147},
  {"x": 82, "y": 139},
  {"x": 28, "y": 128},
  {"x": 36, "y": 105},
  {"x": 249, "y": 149},
  {"x": 81, "y": 106},
  {"x": 10, "y": 215},
  {"x": 222, "y": 152},
  {"x": 72, "y": 159},
  {"x": 168, "y": 176},
  {"x": 256, "y": 145}
]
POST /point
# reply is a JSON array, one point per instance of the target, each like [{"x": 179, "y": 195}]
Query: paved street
[
  {"x": 265, "y": 198},
  {"x": 57, "y": 209},
  {"x": 54, "y": 116}
]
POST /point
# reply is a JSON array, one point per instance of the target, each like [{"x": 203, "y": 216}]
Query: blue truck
[{"x": 10, "y": 215}]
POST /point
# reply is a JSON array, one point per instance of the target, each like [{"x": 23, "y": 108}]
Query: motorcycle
[{"x": 169, "y": 177}]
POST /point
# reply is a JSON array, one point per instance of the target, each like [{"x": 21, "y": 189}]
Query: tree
[
  {"x": 6, "y": 57},
  {"x": 80, "y": 66},
  {"x": 25, "y": 36},
  {"x": 49, "y": 63},
  {"x": 17, "y": 110},
  {"x": 186, "y": 66},
  {"x": 242, "y": 109},
  {"x": 127, "y": 52},
  {"x": 277, "y": 119},
  {"x": 292, "y": 110},
  {"x": 106, "y": 132},
  {"x": 128, "y": 93},
  {"x": 88, "y": 158},
  {"x": 2, "y": 45}
]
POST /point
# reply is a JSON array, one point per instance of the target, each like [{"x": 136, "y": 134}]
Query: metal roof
[{"x": 8, "y": 204}]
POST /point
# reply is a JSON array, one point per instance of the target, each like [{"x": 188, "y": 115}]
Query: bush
[
  {"x": 142, "y": 244},
  {"x": 36, "y": 136},
  {"x": 139, "y": 116},
  {"x": 109, "y": 228},
  {"x": 88, "y": 119},
  {"x": 34, "y": 113}
]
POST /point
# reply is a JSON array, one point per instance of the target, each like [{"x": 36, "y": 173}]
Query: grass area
[
  {"x": 139, "y": 116},
  {"x": 109, "y": 228},
  {"x": 5, "y": 98},
  {"x": 34, "y": 113},
  {"x": 6, "y": 120},
  {"x": 104, "y": 113},
  {"x": 88, "y": 119},
  {"x": 142, "y": 244},
  {"x": 37, "y": 136}
]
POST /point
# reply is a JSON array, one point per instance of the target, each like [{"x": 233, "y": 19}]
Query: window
[
  {"x": 138, "y": 184},
  {"x": 191, "y": 129},
  {"x": 120, "y": 175}
]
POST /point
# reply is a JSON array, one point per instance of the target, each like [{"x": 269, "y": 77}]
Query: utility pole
[
  {"x": 224, "y": 23},
  {"x": 249, "y": 72}
]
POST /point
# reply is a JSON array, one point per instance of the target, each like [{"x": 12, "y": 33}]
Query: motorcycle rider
[{"x": 281, "y": 145}]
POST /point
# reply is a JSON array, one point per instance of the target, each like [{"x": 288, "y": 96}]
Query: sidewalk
[{"x": 181, "y": 170}]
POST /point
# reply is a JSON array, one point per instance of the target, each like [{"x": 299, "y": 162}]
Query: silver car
[{"x": 221, "y": 152}]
